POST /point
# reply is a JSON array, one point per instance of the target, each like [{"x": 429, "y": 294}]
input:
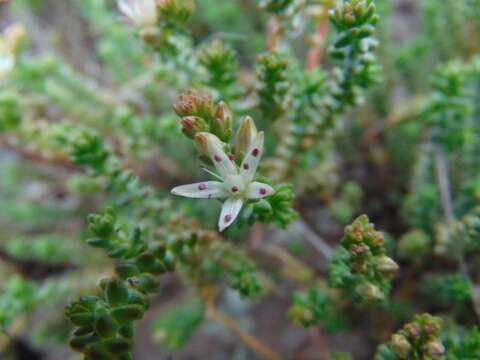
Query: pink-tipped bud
[
  {"x": 246, "y": 135},
  {"x": 192, "y": 125},
  {"x": 208, "y": 144},
  {"x": 192, "y": 104}
]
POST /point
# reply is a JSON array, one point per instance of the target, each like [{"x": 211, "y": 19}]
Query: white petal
[
  {"x": 201, "y": 190},
  {"x": 258, "y": 190},
  {"x": 230, "y": 210},
  {"x": 252, "y": 158},
  {"x": 221, "y": 161}
]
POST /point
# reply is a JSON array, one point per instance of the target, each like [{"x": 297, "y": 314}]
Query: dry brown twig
[{"x": 213, "y": 314}]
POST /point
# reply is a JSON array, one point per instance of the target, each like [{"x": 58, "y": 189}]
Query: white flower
[
  {"x": 141, "y": 12},
  {"x": 236, "y": 185}
]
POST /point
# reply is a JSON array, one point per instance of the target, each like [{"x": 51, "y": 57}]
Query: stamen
[
  {"x": 217, "y": 158},
  {"x": 231, "y": 157},
  {"x": 246, "y": 166},
  {"x": 227, "y": 218},
  {"x": 234, "y": 189},
  {"x": 212, "y": 173},
  {"x": 255, "y": 152},
  {"x": 202, "y": 187},
  {"x": 263, "y": 191}
]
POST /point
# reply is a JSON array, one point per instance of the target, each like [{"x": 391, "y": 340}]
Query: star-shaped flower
[{"x": 236, "y": 185}]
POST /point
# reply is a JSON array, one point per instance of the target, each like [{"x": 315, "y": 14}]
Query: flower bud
[
  {"x": 386, "y": 266},
  {"x": 206, "y": 141},
  {"x": 246, "y": 135},
  {"x": 141, "y": 12},
  {"x": 369, "y": 291},
  {"x": 434, "y": 348},
  {"x": 192, "y": 125},
  {"x": 222, "y": 121},
  {"x": 400, "y": 345}
]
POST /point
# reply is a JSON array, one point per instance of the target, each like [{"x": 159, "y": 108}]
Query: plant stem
[
  {"x": 314, "y": 54},
  {"x": 443, "y": 182},
  {"x": 247, "y": 338},
  {"x": 316, "y": 241}
]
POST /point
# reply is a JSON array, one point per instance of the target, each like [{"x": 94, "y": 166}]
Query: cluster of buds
[
  {"x": 105, "y": 323},
  {"x": 199, "y": 114},
  {"x": 87, "y": 148},
  {"x": 11, "y": 41},
  {"x": 273, "y": 86},
  {"x": 448, "y": 103},
  {"x": 458, "y": 237},
  {"x": 370, "y": 270},
  {"x": 353, "y": 13},
  {"x": 355, "y": 21},
  {"x": 176, "y": 11},
  {"x": 220, "y": 62},
  {"x": 418, "y": 339}
]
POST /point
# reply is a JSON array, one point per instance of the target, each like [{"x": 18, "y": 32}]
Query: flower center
[{"x": 234, "y": 184}]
